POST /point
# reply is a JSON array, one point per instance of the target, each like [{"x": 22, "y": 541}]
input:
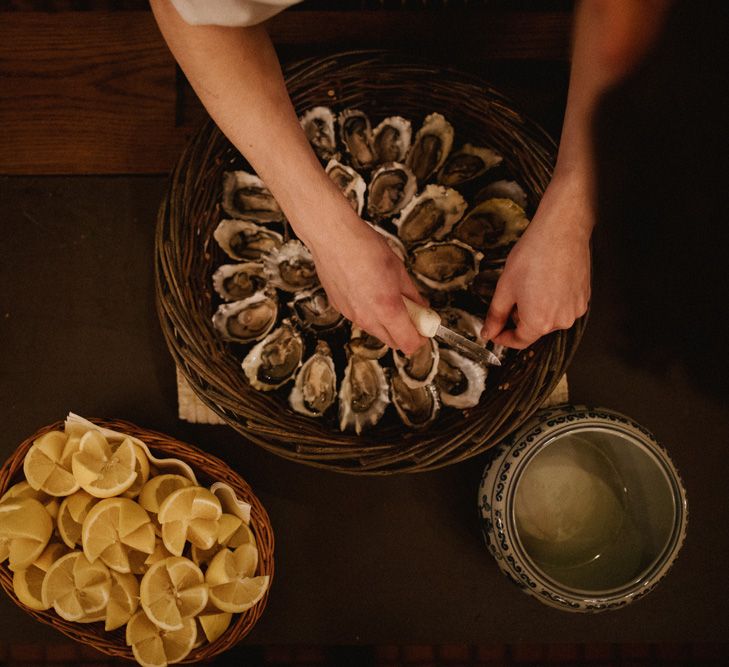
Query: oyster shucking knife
[{"x": 427, "y": 322}]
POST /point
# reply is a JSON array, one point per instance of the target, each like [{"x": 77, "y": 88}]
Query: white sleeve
[{"x": 229, "y": 12}]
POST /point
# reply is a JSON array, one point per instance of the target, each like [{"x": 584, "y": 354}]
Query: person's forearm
[{"x": 237, "y": 76}]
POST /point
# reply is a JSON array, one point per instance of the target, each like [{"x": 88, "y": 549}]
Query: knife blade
[{"x": 428, "y": 324}]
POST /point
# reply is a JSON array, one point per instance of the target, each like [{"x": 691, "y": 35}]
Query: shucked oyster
[
  {"x": 460, "y": 381},
  {"x": 462, "y": 322},
  {"x": 419, "y": 368},
  {"x": 273, "y": 362},
  {"x": 391, "y": 188},
  {"x": 312, "y": 310},
  {"x": 315, "y": 388},
  {"x": 318, "y": 124},
  {"x": 493, "y": 223},
  {"x": 291, "y": 267},
  {"x": 246, "y": 320},
  {"x": 418, "y": 407},
  {"x": 349, "y": 182},
  {"x": 246, "y": 197},
  {"x": 431, "y": 214},
  {"x": 234, "y": 282},
  {"x": 356, "y": 133},
  {"x": 241, "y": 239},
  {"x": 445, "y": 265},
  {"x": 503, "y": 190},
  {"x": 395, "y": 243},
  {"x": 431, "y": 147},
  {"x": 364, "y": 395},
  {"x": 466, "y": 164},
  {"x": 364, "y": 345},
  {"x": 392, "y": 139}
]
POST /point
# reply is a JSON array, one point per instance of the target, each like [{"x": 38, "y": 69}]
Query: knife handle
[{"x": 426, "y": 320}]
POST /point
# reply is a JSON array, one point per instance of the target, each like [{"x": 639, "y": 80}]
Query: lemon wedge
[
  {"x": 214, "y": 622},
  {"x": 141, "y": 467},
  {"x": 25, "y": 490},
  {"x": 123, "y": 600},
  {"x": 158, "y": 488},
  {"x": 76, "y": 588},
  {"x": 155, "y": 647},
  {"x": 232, "y": 586},
  {"x": 190, "y": 513},
  {"x": 25, "y": 529},
  {"x": 114, "y": 526},
  {"x": 232, "y": 532},
  {"x": 102, "y": 471},
  {"x": 140, "y": 562},
  {"x": 28, "y": 583},
  {"x": 172, "y": 590},
  {"x": 43, "y": 466},
  {"x": 71, "y": 515}
]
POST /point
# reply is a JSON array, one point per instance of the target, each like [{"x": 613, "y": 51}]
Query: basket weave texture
[
  {"x": 381, "y": 84},
  {"x": 208, "y": 469}
]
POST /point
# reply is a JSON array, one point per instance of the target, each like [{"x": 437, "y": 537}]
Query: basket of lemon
[{"x": 133, "y": 542}]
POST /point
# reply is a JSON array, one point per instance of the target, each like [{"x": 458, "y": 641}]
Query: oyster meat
[
  {"x": 272, "y": 362},
  {"x": 460, "y": 381},
  {"x": 491, "y": 224},
  {"x": 431, "y": 147},
  {"x": 419, "y": 406},
  {"x": 247, "y": 198},
  {"x": 395, "y": 243},
  {"x": 244, "y": 240},
  {"x": 504, "y": 190},
  {"x": 467, "y": 164},
  {"x": 234, "y": 282},
  {"x": 462, "y": 322},
  {"x": 392, "y": 139},
  {"x": 431, "y": 214},
  {"x": 291, "y": 267},
  {"x": 312, "y": 310},
  {"x": 315, "y": 388},
  {"x": 356, "y": 133},
  {"x": 445, "y": 265},
  {"x": 349, "y": 182},
  {"x": 391, "y": 188},
  {"x": 248, "y": 319},
  {"x": 363, "y": 395},
  {"x": 419, "y": 368},
  {"x": 365, "y": 345},
  {"x": 318, "y": 125}
]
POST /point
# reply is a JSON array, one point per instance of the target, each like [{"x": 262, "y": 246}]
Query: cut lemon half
[
  {"x": 25, "y": 490},
  {"x": 71, "y": 515},
  {"x": 101, "y": 471},
  {"x": 141, "y": 467},
  {"x": 233, "y": 588},
  {"x": 123, "y": 600},
  {"x": 155, "y": 647},
  {"x": 112, "y": 528},
  {"x": 172, "y": 590},
  {"x": 158, "y": 488},
  {"x": 190, "y": 513},
  {"x": 43, "y": 465},
  {"x": 76, "y": 588},
  {"x": 232, "y": 532},
  {"x": 28, "y": 583},
  {"x": 25, "y": 529}
]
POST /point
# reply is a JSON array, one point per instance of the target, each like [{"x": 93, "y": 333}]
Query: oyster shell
[
  {"x": 244, "y": 240},
  {"x": 431, "y": 214},
  {"x": 484, "y": 283},
  {"x": 318, "y": 125},
  {"x": 431, "y": 147},
  {"x": 356, "y": 133},
  {"x": 395, "y": 243},
  {"x": 363, "y": 395},
  {"x": 445, "y": 265},
  {"x": 419, "y": 368},
  {"x": 234, "y": 282},
  {"x": 291, "y": 267},
  {"x": 491, "y": 224},
  {"x": 460, "y": 381},
  {"x": 391, "y": 188},
  {"x": 365, "y": 345},
  {"x": 349, "y": 182},
  {"x": 248, "y": 319},
  {"x": 462, "y": 322},
  {"x": 418, "y": 407},
  {"x": 466, "y": 164},
  {"x": 312, "y": 310},
  {"x": 315, "y": 388},
  {"x": 504, "y": 190},
  {"x": 272, "y": 362},
  {"x": 391, "y": 139},
  {"x": 247, "y": 198}
]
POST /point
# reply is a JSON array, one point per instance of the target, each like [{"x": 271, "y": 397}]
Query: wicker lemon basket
[
  {"x": 381, "y": 84},
  {"x": 208, "y": 469}
]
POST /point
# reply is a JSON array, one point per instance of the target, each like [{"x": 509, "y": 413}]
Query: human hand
[{"x": 546, "y": 281}]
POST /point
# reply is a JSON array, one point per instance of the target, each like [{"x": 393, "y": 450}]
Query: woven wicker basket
[
  {"x": 208, "y": 469},
  {"x": 381, "y": 84}
]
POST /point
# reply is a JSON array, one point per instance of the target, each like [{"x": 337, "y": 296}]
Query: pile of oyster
[{"x": 450, "y": 215}]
